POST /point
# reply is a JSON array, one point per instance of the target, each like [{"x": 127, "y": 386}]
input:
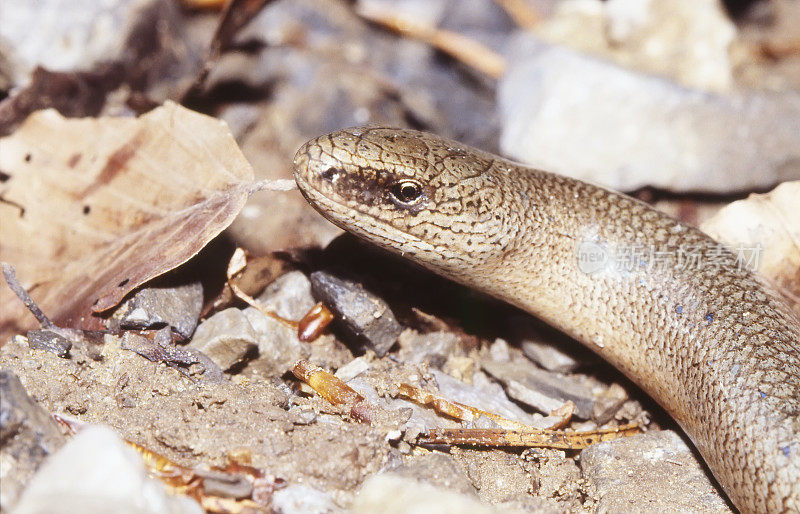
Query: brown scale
[{"x": 712, "y": 343}]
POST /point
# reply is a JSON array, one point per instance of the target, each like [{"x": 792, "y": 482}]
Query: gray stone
[
  {"x": 97, "y": 472},
  {"x": 364, "y": 316},
  {"x": 28, "y": 434},
  {"x": 545, "y": 346},
  {"x": 288, "y": 296},
  {"x": 577, "y": 115},
  {"x": 499, "y": 350},
  {"x": 541, "y": 389},
  {"x": 352, "y": 369},
  {"x": 689, "y": 39},
  {"x": 302, "y": 414},
  {"x": 652, "y": 472},
  {"x": 483, "y": 394},
  {"x": 226, "y": 338},
  {"x": 225, "y": 485},
  {"x": 302, "y": 499},
  {"x": 432, "y": 348},
  {"x": 278, "y": 346},
  {"x": 608, "y": 403},
  {"x": 686, "y": 40},
  {"x": 49, "y": 341},
  {"x": 548, "y": 356},
  {"x": 177, "y": 307}
]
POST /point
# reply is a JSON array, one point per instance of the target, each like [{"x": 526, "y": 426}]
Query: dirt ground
[{"x": 191, "y": 423}]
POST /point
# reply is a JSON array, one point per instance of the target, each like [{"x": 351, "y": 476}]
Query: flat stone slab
[{"x": 652, "y": 472}]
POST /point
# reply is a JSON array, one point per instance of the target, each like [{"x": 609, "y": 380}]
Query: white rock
[
  {"x": 580, "y": 116},
  {"x": 97, "y": 472},
  {"x": 687, "y": 40},
  {"x": 763, "y": 231},
  {"x": 64, "y": 35},
  {"x": 226, "y": 337},
  {"x": 289, "y": 296},
  {"x": 391, "y": 494},
  {"x": 302, "y": 499}
]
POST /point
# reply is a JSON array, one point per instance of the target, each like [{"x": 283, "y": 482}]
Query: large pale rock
[{"x": 581, "y": 116}]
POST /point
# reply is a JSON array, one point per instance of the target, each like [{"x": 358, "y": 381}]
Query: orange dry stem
[
  {"x": 333, "y": 389},
  {"x": 528, "y": 438}
]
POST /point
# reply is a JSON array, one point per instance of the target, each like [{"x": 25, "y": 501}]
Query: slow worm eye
[{"x": 405, "y": 192}]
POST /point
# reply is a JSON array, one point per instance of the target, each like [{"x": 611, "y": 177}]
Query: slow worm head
[{"x": 680, "y": 314}]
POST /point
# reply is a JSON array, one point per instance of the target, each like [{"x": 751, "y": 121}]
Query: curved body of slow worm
[{"x": 675, "y": 311}]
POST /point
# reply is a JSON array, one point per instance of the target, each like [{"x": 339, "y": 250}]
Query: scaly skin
[{"x": 676, "y": 312}]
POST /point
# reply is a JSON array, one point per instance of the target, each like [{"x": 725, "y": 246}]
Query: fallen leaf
[{"x": 94, "y": 207}]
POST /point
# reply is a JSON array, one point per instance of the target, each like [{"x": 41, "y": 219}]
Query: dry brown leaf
[
  {"x": 770, "y": 224},
  {"x": 92, "y": 208}
]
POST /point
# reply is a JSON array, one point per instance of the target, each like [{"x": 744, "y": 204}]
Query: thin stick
[
  {"x": 529, "y": 438},
  {"x": 11, "y": 279},
  {"x": 470, "y": 52},
  {"x": 273, "y": 185},
  {"x": 521, "y": 12}
]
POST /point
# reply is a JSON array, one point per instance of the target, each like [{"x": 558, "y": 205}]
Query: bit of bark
[
  {"x": 237, "y": 265},
  {"x": 334, "y": 390},
  {"x": 528, "y": 438},
  {"x": 52, "y": 338},
  {"x": 455, "y": 410},
  {"x": 521, "y": 12},
  {"x": 236, "y": 488},
  {"x": 470, "y": 52},
  {"x": 161, "y": 349},
  {"x": 314, "y": 322},
  {"x": 509, "y": 433}
]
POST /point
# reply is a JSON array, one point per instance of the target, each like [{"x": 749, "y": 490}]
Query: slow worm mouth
[
  {"x": 314, "y": 196},
  {"x": 322, "y": 202},
  {"x": 300, "y": 164},
  {"x": 310, "y": 176},
  {"x": 302, "y": 176},
  {"x": 301, "y": 155}
]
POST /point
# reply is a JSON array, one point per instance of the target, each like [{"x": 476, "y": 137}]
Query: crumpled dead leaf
[
  {"x": 92, "y": 208},
  {"x": 770, "y": 223}
]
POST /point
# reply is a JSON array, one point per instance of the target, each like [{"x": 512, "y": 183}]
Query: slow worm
[{"x": 678, "y": 313}]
